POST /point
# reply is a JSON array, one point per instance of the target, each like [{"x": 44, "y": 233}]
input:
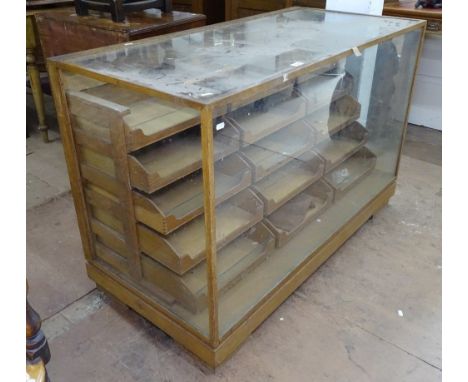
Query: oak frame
[{"x": 212, "y": 350}]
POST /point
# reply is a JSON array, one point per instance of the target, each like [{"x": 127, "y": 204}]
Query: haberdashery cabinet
[{"x": 214, "y": 170}]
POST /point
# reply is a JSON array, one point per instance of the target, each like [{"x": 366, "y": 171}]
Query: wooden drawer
[
  {"x": 168, "y": 209},
  {"x": 146, "y": 119},
  {"x": 330, "y": 119},
  {"x": 233, "y": 261},
  {"x": 267, "y": 116},
  {"x": 274, "y": 151},
  {"x": 340, "y": 146},
  {"x": 185, "y": 248},
  {"x": 291, "y": 179},
  {"x": 289, "y": 219},
  {"x": 321, "y": 89},
  {"x": 165, "y": 162},
  {"x": 350, "y": 172}
]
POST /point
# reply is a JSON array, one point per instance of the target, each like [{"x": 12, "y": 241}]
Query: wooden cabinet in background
[
  {"x": 35, "y": 57},
  {"x": 406, "y": 8},
  {"x": 213, "y": 9},
  {"x": 64, "y": 32},
  {"x": 243, "y": 8}
]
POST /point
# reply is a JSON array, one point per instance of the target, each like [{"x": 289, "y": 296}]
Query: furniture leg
[
  {"x": 37, "y": 348},
  {"x": 117, "y": 11},
  {"x": 35, "y": 81},
  {"x": 33, "y": 73}
]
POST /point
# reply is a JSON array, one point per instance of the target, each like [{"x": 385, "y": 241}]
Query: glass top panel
[{"x": 208, "y": 65}]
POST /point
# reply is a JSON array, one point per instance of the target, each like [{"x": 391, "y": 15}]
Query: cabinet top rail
[{"x": 212, "y": 64}]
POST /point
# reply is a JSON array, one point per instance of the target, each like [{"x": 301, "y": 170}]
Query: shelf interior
[
  {"x": 336, "y": 148},
  {"x": 258, "y": 122},
  {"x": 288, "y": 181},
  {"x": 351, "y": 170},
  {"x": 233, "y": 261},
  {"x": 277, "y": 149},
  {"x": 187, "y": 244},
  {"x": 183, "y": 199},
  {"x": 147, "y": 114},
  {"x": 243, "y": 296},
  {"x": 166, "y": 161}
]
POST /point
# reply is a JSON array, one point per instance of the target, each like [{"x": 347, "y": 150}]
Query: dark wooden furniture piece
[
  {"x": 242, "y": 8},
  {"x": 406, "y": 8},
  {"x": 119, "y": 9},
  {"x": 37, "y": 348},
  {"x": 64, "y": 32},
  {"x": 34, "y": 56},
  {"x": 213, "y": 9}
]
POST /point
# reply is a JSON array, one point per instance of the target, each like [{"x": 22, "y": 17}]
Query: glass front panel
[
  {"x": 128, "y": 138},
  {"x": 207, "y": 65},
  {"x": 315, "y": 152}
]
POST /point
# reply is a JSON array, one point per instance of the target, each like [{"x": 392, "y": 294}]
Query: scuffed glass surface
[
  {"x": 207, "y": 65},
  {"x": 319, "y": 151}
]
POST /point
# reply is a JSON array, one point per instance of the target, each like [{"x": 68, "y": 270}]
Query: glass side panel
[
  {"x": 163, "y": 213},
  {"x": 318, "y": 150},
  {"x": 208, "y": 65}
]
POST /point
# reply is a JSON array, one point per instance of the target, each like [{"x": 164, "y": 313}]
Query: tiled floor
[{"x": 371, "y": 313}]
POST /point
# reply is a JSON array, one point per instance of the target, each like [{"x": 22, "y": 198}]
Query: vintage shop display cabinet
[{"x": 214, "y": 170}]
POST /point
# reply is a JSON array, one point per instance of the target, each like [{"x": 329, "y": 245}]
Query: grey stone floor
[{"x": 371, "y": 313}]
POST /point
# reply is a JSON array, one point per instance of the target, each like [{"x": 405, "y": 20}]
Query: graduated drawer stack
[{"x": 145, "y": 192}]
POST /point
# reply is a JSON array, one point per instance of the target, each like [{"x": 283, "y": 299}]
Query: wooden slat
[
  {"x": 125, "y": 195},
  {"x": 236, "y": 259},
  {"x": 100, "y": 178},
  {"x": 112, "y": 258},
  {"x": 185, "y": 248},
  {"x": 181, "y": 202},
  {"x": 277, "y": 149},
  {"x": 356, "y": 167},
  {"x": 94, "y": 109},
  {"x": 291, "y": 179},
  {"x": 91, "y": 127},
  {"x": 337, "y": 148},
  {"x": 110, "y": 237},
  {"x": 93, "y": 142},
  {"x": 289, "y": 219},
  {"x": 73, "y": 165},
  {"x": 108, "y": 219},
  {"x": 98, "y": 161},
  {"x": 148, "y": 119},
  {"x": 254, "y": 125},
  {"x": 167, "y": 161},
  {"x": 103, "y": 200}
]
